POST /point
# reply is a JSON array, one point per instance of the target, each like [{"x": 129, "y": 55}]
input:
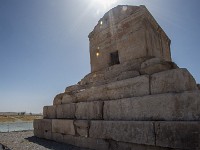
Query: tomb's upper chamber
[{"x": 126, "y": 33}]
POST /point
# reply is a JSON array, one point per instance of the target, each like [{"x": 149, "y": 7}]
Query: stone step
[
  {"x": 156, "y": 65},
  {"x": 180, "y": 135},
  {"x": 169, "y": 106},
  {"x": 126, "y": 70},
  {"x": 176, "y": 135},
  {"x": 138, "y": 132},
  {"x": 163, "y": 134},
  {"x": 113, "y": 73},
  {"x": 137, "y": 86},
  {"x": 174, "y": 80}
]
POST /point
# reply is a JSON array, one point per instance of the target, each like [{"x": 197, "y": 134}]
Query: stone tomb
[{"x": 135, "y": 97}]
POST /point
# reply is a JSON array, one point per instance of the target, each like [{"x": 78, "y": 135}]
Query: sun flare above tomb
[{"x": 105, "y": 4}]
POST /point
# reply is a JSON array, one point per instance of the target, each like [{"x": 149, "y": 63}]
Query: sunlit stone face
[{"x": 126, "y": 33}]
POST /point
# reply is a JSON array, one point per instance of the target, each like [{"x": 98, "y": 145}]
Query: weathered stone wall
[
  {"x": 132, "y": 32},
  {"x": 157, "y": 109}
]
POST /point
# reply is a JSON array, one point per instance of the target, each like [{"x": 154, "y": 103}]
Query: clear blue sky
[{"x": 44, "y": 44}]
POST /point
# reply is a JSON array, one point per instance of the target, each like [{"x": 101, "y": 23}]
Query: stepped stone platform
[{"x": 135, "y": 97}]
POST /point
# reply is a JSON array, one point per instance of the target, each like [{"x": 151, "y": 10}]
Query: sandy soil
[
  {"x": 26, "y": 141},
  {"x": 4, "y": 118}
]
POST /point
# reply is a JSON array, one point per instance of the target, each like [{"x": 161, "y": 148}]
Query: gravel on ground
[{"x": 25, "y": 140}]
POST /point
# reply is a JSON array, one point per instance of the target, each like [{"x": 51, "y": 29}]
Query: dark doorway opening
[{"x": 114, "y": 58}]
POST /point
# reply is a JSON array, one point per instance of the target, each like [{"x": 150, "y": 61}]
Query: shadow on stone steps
[
  {"x": 52, "y": 145},
  {"x": 2, "y": 147}
]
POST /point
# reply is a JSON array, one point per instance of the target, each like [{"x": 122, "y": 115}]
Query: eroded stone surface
[
  {"x": 73, "y": 88},
  {"x": 151, "y": 61},
  {"x": 63, "y": 126},
  {"x": 89, "y": 110},
  {"x": 66, "y": 99},
  {"x": 155, "y": 68},
  {"x": 92, "y": 94},
  {"x": 175, "y": 80},
  {"x": 139, "y": 132},
  {"x": 43, "y": 128},
  {"x": 171, "y": 106},
  {"x": 58, "y": 99},
  {"x": 44, "y": 124},
  {"x": 66, "y": 110},
  {"x": 49, "y": 112},
  {"x": 82, "y": 127},
  {"x": 183, "y": 135},
  {"x": 139, "y": 26},
  {"x": 137, "y": 86}
]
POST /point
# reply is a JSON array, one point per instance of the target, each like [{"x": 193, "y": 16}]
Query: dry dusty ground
[
  {"x": 5, "y": 118},
  {"x": 26, "y": 141}
]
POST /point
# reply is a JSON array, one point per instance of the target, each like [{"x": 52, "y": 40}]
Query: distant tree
[{"x": 23, "y": 113}]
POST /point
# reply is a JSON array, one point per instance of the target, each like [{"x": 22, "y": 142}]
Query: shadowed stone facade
[{"x": 135, "y": 97}]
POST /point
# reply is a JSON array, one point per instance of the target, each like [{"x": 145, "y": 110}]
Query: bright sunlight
[{"x": 106, "y": 3}]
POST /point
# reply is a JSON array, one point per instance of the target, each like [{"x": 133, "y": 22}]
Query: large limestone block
[
  {"x": 126, "y": 75},
  {"x": 159, "y": 67},
  {"x": 168, "y": 106},
  {"x": 82, "y": 127},
  {"x": 45, "y": 134},
  {"x": 175, "y": 80},
  {"x": 42, "y": 128},
  {"x": 95, "y": 78},
  {"x": 183, "y": 135},
  {"x": 138, "y": 132},
  {"x": 73, "y": 89},
  {"x": 92, "y": 94},
  {"x": 49, "y": 112},
  {"x": 91, "y": 143},
  {"x": 66, "y": 110},
  {"x": 89, "y": 110},
  {"x": 63, "y": 126},
  {"x": 131, "y": 65},
  {"x": 36, "y": 123},
  {"x": 151, "y": 61},
  {"x": 66, "y": 99},
  {"x": 43, "y": 124},
  {"x": 137, "y": 86},
  {"x": 58, "y": 99}
]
